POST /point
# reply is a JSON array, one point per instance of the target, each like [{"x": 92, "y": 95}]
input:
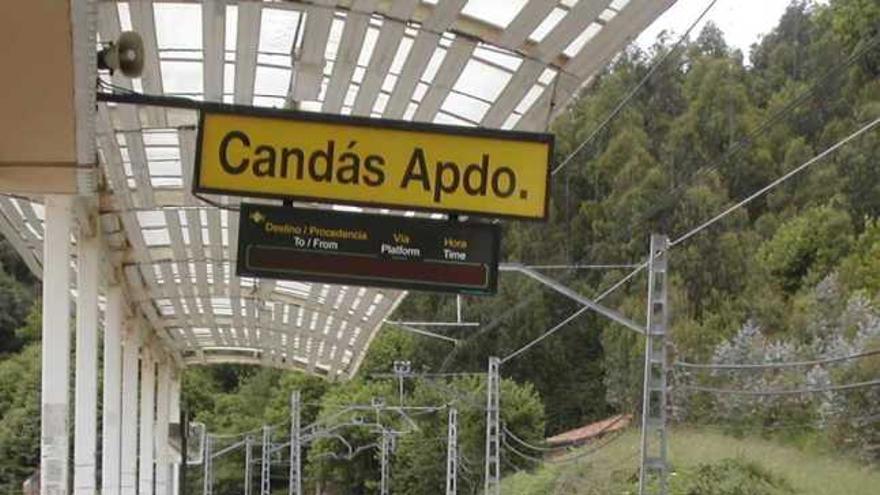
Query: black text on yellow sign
[{"x": 374, "y": 162}]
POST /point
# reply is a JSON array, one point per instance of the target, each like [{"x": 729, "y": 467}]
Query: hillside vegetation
[{"x": 704, "y": 463}]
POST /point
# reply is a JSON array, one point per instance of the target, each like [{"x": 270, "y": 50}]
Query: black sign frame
[
  {"x": 370, "y": 122},
  {"x": 291, "y": 246}
]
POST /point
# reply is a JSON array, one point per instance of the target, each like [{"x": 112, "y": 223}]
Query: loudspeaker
[{"x": 125, "y": 55}]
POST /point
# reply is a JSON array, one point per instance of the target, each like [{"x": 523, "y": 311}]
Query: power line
[
  {"x": 790, "y": 364},
  {"x": 562, "y": 460},
  {"x": 722, "y": 425},
  {"x": 517, "y": 452},
  {"x": 626, "y": 99},
  {"x": 587, "y": 453},
  {"x": 574, "y": 315},
  {"x": 494, "y": 323},
  {"x": 775, "y": 183},
  {"x": 801, "y": 391},
  {"x": 602, "y": 430},
  {"x": 530, "y": 446}
]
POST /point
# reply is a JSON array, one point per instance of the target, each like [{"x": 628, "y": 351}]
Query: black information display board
[{"x": 370, "y": 250}]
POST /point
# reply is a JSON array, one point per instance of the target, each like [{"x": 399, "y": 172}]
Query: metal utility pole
[
  {"x": 265, "y": 460},
  {"x": 653, "y": 471},
  {"x": 295, "y": 487},
  {"x": 452, "y": 453},
  {"x": 401, "y": 370},
  {"x": 492, "y": 484},
  {"x": 248, "y": 460},
  {"x": 208, "y": 478},
  {"x": 385, "y": 461}
]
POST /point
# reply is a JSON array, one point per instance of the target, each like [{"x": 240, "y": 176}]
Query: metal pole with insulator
[
  {"x": 265, "y": 460},
  {"x": 208, "y": 479},
  {"x": 452, "y": 453},
  {"x": 654, "y": 470},
  {"x": 295, "y": 447},
  {"x": 492, "y": 484},
  {"x": 248, "y": 460}
]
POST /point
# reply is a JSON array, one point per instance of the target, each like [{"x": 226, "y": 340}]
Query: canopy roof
[{"x": 501, "y": 64}]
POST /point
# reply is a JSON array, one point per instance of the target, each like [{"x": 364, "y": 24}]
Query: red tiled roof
[{"x": 593, "y": 430}]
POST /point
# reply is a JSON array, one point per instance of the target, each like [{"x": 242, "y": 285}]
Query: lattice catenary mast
[{"x": 654, "y": 470}]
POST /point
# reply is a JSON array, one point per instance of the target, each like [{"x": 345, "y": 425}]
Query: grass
[{"x": 613, "y": 469}]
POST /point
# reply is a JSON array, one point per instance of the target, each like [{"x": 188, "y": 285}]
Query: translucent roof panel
[
  {"x": 469, "y": 63},
  {"x": 494, "y": 12}
]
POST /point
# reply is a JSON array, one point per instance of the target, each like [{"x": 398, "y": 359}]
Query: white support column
[
  {"x": 56, "y": 346},
  {"x": 174, "y": 413},
  {"x": 148, "y": 404},
  {"x": 163, "y": 463},
  {"x": 110, "y": 437},
  {"x": 128, "y": 457},
  {"x": 86, "y": 395}
]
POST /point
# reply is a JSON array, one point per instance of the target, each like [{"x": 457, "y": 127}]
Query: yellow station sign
[{"x": 373, "y": 162}]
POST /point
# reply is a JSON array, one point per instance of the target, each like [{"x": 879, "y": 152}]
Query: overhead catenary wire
[
  {"x": 588, "y": 452},
  {"x": 799, "y": 391},
  {"x": 789, "y": 364},
  {"x": 522, "y": 442},
  {"x": 560, "y": 460},
  {"x": 574, "y": 315},
  {"x": 513, "y": 449},
  {"x": 723, "y": 424},
  {"x": 527, "y": 445},
  {"x": 633, "y": 91},
  {"x": 775, "y": 183}
]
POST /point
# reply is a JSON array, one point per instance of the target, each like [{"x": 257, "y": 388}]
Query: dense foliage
[
  {"x": 707, "y": 131},
  {"x": 793, "y": 276}
]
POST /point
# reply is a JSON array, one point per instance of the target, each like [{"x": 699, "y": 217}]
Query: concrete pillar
[
  {"x": 163, "y": 389},
  {"x": 174, "y": 413},
  {"x": 56, "y": 346},
  {"x": 128, "y": 445},
  {"x": 147, "y": 429},
  {"x": 86, "y": 395},
  {"x": 112, "y": 392}
]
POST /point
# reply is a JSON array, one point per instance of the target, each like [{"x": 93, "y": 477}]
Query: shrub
[{"x": 731, "y": 477}]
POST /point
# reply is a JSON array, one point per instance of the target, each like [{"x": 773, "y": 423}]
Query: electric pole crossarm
[{"x": 571, "y": 294}]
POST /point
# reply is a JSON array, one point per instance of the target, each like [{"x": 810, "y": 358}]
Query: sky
[{"x": 742, "y": 21}]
